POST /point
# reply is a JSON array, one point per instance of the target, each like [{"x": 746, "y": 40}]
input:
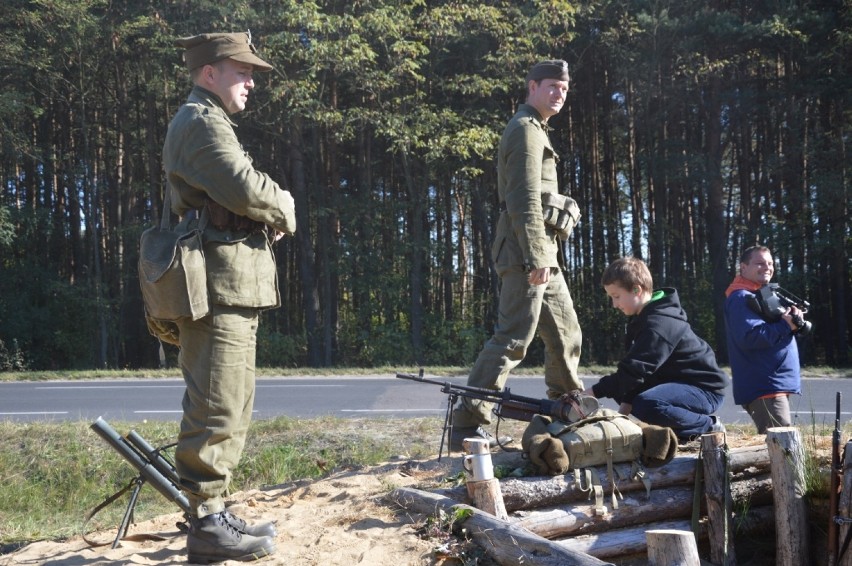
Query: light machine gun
[
  {"x": 152, "y": 466},
  {"x": 568, "y": 408},
  {"x": 771, "y": 302}
]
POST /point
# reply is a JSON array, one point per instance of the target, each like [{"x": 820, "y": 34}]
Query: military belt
[{"x": 223, "y": 219}]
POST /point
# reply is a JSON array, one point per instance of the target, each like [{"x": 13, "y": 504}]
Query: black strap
[
  {"x": 106, "y": 502},
  {"x": 502, "y": 206}
]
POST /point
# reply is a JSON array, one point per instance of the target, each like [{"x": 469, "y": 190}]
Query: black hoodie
[{"x": 661, "y": 348}]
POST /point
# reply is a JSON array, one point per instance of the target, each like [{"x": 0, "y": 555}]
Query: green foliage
[
  {"x": 277, "y": 349},
  {"x": 690, "y": 131},
  {"x": 12, "y": 359}
]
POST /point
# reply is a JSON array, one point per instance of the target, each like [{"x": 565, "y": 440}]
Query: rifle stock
[{"x": 148, "y": 469}]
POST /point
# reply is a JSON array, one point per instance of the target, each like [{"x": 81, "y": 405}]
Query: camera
[{"x": 771, "y": 302}]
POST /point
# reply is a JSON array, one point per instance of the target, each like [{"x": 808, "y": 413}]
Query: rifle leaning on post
[
  {"x": 506, "y": 405},
  {"x": 152, "y": 467},
  {"x": 834, "y": 491}
]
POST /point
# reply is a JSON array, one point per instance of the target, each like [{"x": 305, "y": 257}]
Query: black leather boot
[
  {"x": 214, "y": 539},
  {"x": 255, "y": 530}
]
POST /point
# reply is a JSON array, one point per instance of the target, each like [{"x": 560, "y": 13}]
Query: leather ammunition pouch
[
  {"x": 560, "y": 213},
  {"x": 223, "y": 219}
]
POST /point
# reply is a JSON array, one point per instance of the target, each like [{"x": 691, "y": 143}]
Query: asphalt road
[{"x": 134, "y": 400}]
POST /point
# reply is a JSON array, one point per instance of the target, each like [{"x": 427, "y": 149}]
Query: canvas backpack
[{"x": 602, "y": 437}]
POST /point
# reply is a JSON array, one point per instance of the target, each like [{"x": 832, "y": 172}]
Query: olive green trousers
[
  {"x": 217, "y": 358},
  {"x": 523, "y": 310}
]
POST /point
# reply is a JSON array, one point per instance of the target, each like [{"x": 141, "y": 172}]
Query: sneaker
[
  {"x": 256, "y": 530},
  {"x": 214, "y": 539},
  {"x": 459, "y": 433}
]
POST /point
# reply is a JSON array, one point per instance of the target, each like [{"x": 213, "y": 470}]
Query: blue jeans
[{"x": 686, "y": 409}]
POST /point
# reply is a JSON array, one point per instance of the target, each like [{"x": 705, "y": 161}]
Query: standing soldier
[
  {"x": 526, "y": 251},
  {"x": 210, "y": 176}
]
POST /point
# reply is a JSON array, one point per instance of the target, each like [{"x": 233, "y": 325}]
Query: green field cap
[
  {"x": 553, "y": 69},
  {"x": 211, "y": 47}
]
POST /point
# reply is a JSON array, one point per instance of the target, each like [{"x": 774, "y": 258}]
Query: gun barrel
[
  {"x": 492, "y": 395},
  {"x": 163, "y": 466},
  {"x": 510, "y": 406},
  {"x": 153, "y": 476}
]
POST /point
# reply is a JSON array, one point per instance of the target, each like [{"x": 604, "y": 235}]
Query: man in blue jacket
[{"x": 764, "y": 356}]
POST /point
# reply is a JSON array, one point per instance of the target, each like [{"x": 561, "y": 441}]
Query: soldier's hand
[{"x": 539, "y": 276}]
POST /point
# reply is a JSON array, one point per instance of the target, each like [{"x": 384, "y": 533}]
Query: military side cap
[
  {"x": 553, "y": 69},
  {"x": 208, "y": 48}
]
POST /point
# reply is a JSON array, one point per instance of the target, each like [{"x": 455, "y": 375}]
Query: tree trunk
[
  {"x": 310, "y": 292},
  {"x": 507, "y": 544},
  {"x": 418, "y": 247},
  {"x": 663, "y": 504},
  {"x": 632, "y": 541}
]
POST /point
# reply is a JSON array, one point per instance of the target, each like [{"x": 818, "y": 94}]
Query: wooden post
[
  {"x": 844, "y": 508},
  {"x": 668, "y": 547},
  {"x": 787, "y": 467},
  {"x": 482, "y": 487},
  {"x": 719, "y": 501},
  {"x": 486, "y": 496}
]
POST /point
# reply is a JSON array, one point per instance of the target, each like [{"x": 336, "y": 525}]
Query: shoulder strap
[{"x": 166, "y": 214}]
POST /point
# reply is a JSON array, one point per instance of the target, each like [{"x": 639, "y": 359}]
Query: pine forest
[{"x": 692, "y": 130}]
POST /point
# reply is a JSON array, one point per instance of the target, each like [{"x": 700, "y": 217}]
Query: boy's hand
[{"x": 625, "y": 408}]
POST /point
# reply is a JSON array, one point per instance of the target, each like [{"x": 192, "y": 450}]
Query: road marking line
[
  {"x": 169, "y": 411},
  {"x": 113, "y": 387},
  {"x": 38, "y": 413},
  {"x": 391, "y": 410}
]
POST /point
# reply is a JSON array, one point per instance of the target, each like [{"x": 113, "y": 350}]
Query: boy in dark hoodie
[{"x": 669, "y": 376}]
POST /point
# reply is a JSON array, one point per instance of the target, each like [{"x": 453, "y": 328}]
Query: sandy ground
[{"x": 343, "y": 519}]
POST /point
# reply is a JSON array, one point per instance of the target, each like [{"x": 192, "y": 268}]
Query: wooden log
[
  {"x": 486, "y": 496},
  {"x": 672, "y": 547},
  {"x": 664, "y": 504},
  {"x": 718, "y": 497},
  {"x": 632, "y": 541},
  {"x": 787, "y": 461},
  {"x": 505, "y": 543},
  {"x": 541, "y": 491},
  {"x": 844, "y": 508}
]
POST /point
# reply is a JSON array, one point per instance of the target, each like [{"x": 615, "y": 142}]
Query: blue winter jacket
[{"x": 764, "y": 356}]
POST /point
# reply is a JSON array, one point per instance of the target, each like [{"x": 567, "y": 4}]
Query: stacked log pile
[
  {"x": 555, "y": 508},
  {"x": 552, "y": 521}
]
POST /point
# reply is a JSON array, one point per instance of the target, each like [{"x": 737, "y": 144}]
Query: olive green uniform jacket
[
  {"x": 204, "y": 160},
  {"x": 526, "y": 168}
]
